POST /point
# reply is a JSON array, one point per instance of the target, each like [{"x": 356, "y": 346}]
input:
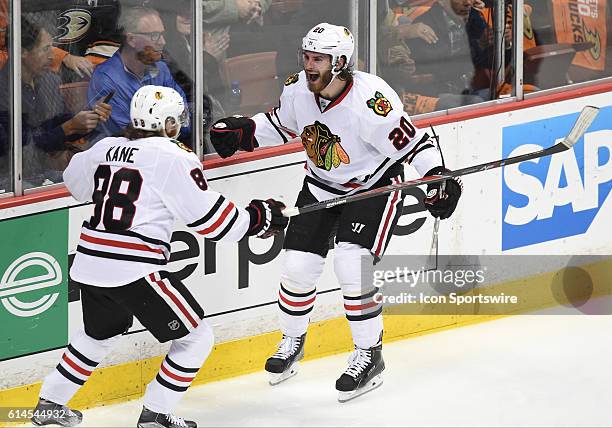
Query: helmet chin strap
[
  {"x": 334, "y": 74},
  {"x": 173, "y": 136}
]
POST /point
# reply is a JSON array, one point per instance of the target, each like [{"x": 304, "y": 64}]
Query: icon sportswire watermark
[{"x": 489, "y": 284}]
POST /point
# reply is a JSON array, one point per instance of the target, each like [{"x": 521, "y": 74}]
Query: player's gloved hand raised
[
  {"x": 232, "y": 133},
  {"x": 442, "y": 204},
  {"x": 266, "y": 218}
]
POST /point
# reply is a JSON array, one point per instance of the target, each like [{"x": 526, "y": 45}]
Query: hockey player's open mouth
[{"x": 312, "y": 77}]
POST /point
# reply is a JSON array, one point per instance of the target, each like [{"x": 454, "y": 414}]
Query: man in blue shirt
[{"x": 137, "y": 63}]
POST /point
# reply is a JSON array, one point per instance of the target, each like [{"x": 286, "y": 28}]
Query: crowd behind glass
[{"x": 437, "y": 55}]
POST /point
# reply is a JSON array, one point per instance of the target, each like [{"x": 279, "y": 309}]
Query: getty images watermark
[
  {"x": 502, "y": 284},
  {"x": 448, "y": 277}
]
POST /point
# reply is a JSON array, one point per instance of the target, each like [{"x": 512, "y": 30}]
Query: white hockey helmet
[
  {"x": 152, "y": 105},
  {"x": 332, "y": 40}
]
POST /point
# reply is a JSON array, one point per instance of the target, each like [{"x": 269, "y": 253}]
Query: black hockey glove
[
  {"x": 443, "y": 204},
  {"x": 232, "y": 133},
  {"x": 266, "y": 218}
]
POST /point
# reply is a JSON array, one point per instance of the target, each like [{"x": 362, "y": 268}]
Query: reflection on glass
[
  {"x": 142, "y": 59},
  {"x": 71, "y": 61},
  {"x": 247, "y": 59},
  {"x": 177, "y": 50},
  {"x": 228, "y": 68},
  {"x": 5, "y": 142},
  {"x": 571, "y": 40},
  {"x": 436, "y": 54},
  {"x": 55, "y": 119},
  {"x": 50, "y": 133}
]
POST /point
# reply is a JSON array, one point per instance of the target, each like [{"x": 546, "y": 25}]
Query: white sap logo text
[{"x": 582, "y": 194}]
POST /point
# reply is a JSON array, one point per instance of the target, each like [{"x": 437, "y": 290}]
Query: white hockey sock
[
  {"x": 79, "y": 360},
  {"x": 367, "y": 333},
  {"x": 296, "y": 297},
  {"x": 362, "y": 312},
  {"x": 178, "y": 369}
]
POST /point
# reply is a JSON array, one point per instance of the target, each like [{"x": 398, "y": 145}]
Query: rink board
[{"x": 503, "y": 211}]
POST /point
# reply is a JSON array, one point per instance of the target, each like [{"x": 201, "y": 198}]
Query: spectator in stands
[
  {"x": 219, "y": 15},
  {"x": 584, "y": 25},
  {"x": 395, "y": 28},
  {"x": 398, "y": 28},
  {"x": 4, "y": 16},
  {"x": 307, "y": 13},
  {"x": 178, "y": 51},
  {"x": 5, "y": 162},
  {"x": 137, "y": 63},
  {"x": 49, "y": 129},
  {"x": 77, "y": 64},
  {"x": 449, "y": 61},
  {"x": 86, "y": 29},
  {"x": 179, "y": 57},
  {"x": 484, "y": 71}
]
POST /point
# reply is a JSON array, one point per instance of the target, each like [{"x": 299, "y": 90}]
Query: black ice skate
[
  {"x": 363, "y": 374},
  {"x": 47, "y": 413},
  {"x": 284, "y": 363},
  {"x": 150, "y": 419}
]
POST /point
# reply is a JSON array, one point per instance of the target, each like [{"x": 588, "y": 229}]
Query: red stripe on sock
[
  {"x": 75, "y": 366},
  {"x": 296, "y": 304},
  {"x": 173, "y": 376}
]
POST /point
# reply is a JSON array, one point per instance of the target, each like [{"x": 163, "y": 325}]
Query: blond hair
[{"x": 130, "y": 18}]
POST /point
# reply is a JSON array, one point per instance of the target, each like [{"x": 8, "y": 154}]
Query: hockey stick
[
  {"x": 583, "y": 122},
  {"x": 433, "y": 250}
]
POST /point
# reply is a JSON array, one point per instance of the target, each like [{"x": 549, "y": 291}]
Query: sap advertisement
[{"x": 559, "y": 196}]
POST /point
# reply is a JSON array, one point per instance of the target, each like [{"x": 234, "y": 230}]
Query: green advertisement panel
[{"x": 33, "y": 283}]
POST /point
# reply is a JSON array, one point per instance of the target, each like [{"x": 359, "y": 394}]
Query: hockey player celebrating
[
  {"x": 356, "y": 137},
  {"x": 139, "y": 184}
]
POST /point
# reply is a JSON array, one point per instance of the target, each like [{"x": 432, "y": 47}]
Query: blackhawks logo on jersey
[
  {"x": 292, "y": 79},
  {"x": 380, "y": 104},
  {"x": 322, "y": 147}
]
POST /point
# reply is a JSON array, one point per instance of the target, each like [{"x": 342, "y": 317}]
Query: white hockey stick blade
[
  {"x": 587, "y": 116},
  {"x": 291, "y": 211},
  {"x": 374, "y": 383},
  {"x": 276, "y": 378}
]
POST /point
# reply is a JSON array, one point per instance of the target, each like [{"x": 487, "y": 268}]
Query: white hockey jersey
[
  {"x": 351, "y": 141},
  {"x": 138, "y": 188}
]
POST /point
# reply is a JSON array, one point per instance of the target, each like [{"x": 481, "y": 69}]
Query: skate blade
[
  {"x": 374, "y": 383},
  {"x": 276, "y": 378}
]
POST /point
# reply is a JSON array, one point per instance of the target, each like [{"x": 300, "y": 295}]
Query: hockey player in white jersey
[
  {"x": 356, "y": 137},
  {"x": 139, "y": 185}
]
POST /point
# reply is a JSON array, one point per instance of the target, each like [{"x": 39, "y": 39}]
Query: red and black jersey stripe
[
  {"x": 122, "y": 245},
  {"x": 218, "y": 221}
]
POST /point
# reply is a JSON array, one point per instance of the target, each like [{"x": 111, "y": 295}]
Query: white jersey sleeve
[
  {"x": 391, "y": 132},
  {"x": 279, "y": 125},
  {"x": 185, "y": 193},
  {"x": 76, "y": 177}
]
